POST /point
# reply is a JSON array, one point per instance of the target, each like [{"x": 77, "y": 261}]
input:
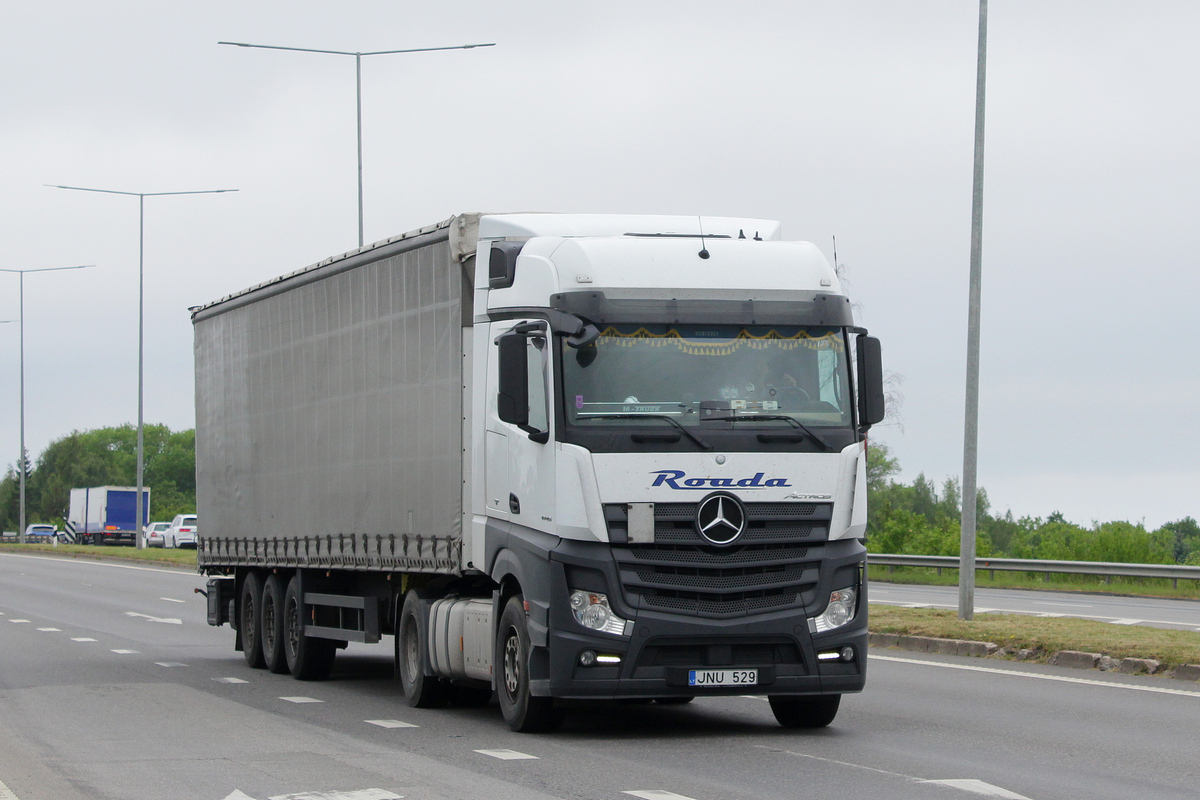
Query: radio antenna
[{"x": 703, "y": 247}]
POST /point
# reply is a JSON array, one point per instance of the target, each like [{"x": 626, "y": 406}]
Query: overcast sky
[{"x": 846, "y": 119}]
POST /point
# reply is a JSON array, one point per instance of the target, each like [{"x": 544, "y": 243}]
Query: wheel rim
[
  {"x": 412, "y": 650},
  {"x": 268, "y": 622},
  {"x": 292, "y": 616},
  {"x": 248, "y": 612},
  {"x": 512, "y": 664}
]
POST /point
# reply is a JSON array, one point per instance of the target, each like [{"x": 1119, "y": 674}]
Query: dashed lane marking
[
  {"x": 172, "y": 600},
  {"x": 125, "y": 652},
  {"x": 506, "y": 755},
  {"x": 302, "y": 700},
  {"x": 169, "y": 664},
  {"x": 230, "y": 680},
  {"x": 82, "y": 639},
  {"x": 1039, "y": 676},
  {"x": 148, "y": 618},
  {"x": 980, "y": 787},
  {"x": 50, "y": 630},
  {"x": 656, "y": 794},
  {"x": 390, "y": 723},
  {"x": 6, "y": 793},
  {"x": 19, "y": 621}
]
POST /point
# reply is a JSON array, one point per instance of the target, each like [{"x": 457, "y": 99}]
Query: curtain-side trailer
[{"x": 557, "y": 457}]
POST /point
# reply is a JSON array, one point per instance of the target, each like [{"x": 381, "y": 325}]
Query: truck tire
[
  {"x": 522, "y": 711},
  {"x": 805, "y": 712},
  {"x": 271, "y": 622},
  {"x": 250, "y": 620},
  {"x": 308, "y": 658},
  {"x": 412, "y": 646}
]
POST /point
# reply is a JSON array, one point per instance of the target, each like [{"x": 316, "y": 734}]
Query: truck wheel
[
  {"x": 271, "y": 615},
  {"x": 308, "y": 658},
  {"x": 250, "y": 620},
  {"x": 522, "y": 711},
  {"x": 420, "y": 690},
  {"x": 805, "y": 712}
]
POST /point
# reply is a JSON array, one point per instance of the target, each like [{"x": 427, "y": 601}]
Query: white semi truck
[{"x": 558, "y": 457}]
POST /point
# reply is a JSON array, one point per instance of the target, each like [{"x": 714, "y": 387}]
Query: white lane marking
[
  {"x": 506, "y": 755},
  {"x": 1040, "y": 676},
  {"x": 187, "y": 573},
  {"x": 237, "y": 794},
  {"x": 125, "y": 652},
  {"x": 18, "y": 621},
  {"x": 1027, "y": 613},
  {"x": 755, "y": 697},
  {"x": 50, "y": 630},
  {"x": 657, "y": 794},
  {"x": 148, "y": 618},
  {"x": 968, "y": 784},
  {"x": 169, "y": 664},
  {"x": 6, "y": 793},
  {"x": 302, "y": 700},
  {"x": 980, "y": 787},
  {"x": 82, "y": 639},
  {"x": 1068, "y": 605},
  {"x": 172, "y": 600},
  {"x": 361, "y": 794},
  {"x": 390, "y": 723},
  {"x": 230, "y": 680},
  {"x": 1124, "y": 621}
]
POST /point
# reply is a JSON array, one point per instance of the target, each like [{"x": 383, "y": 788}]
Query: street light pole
[
  {"x": 966, "y": 571},
  {"x": 358, "y": 57},
  {"x": 21, "y": 461},
  {"x": 139, "y": 522}
]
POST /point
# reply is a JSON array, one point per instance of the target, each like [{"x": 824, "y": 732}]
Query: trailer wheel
[
  {"x": 522, "y": 711},
  {"x": 271, "y": 621},
  {"x": 411, "y": 645},
  {"x": 308, "y": 658},
  {"x": 250, "y": 620},
  {"x": 805, "y": 712}
]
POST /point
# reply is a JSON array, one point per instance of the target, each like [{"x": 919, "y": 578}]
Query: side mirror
[
  {"x": 871, "y": 406},
  {"x": 512, "y": 402}
]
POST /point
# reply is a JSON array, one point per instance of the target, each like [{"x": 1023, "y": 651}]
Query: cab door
[{"x": 524, "y": 392}]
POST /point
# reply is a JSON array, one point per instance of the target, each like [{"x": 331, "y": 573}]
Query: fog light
[
  {"x": 591, "y": 610},
  {"x": 587, "y": 658},
  {"x": 841, "y": 609},
  {"x": 847, "y": 654}
]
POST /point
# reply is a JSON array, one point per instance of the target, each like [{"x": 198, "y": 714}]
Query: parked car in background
[
  {"x": 154, "y": 533},
  {"x": 42, "y": 532},
  {"x": 181, "y": 532}
]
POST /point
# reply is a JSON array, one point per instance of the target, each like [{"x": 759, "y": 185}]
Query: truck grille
[
  {"x": 674, "y": 523},
  {"x": 774, "y": 564}
]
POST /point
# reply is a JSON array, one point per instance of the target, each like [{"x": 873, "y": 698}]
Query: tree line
[
  {"x": 918, "y": 519},
  {"x": 104, "y": 457}
]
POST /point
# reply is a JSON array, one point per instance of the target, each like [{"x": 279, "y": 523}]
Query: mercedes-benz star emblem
[{"x": 720, "y": 518}]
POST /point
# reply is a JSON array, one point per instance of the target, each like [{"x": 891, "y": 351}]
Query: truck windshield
[{"x": 709, "y": 375}]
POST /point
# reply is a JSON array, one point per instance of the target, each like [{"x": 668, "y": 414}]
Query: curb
[{"x": 1064, "y": 658}]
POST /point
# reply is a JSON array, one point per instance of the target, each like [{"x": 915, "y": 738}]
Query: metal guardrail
[{"x": 1104, "y": 569}]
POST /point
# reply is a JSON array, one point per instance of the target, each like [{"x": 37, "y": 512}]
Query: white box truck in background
[
  {"x": 561, "y": 457},
  {"x": 106, "y": 514}
]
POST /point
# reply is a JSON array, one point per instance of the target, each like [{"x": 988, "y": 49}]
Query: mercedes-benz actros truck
[{"x": 554, "y": 458}]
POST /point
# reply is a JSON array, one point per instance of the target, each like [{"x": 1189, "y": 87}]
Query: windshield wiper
[
  {"x": 782, "y": 417},
  {"x": 703, "y": 444}
]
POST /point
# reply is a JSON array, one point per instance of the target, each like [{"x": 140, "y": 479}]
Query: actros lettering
[{"x": 677, "y": 479}]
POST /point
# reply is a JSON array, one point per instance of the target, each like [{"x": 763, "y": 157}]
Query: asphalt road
[
  {"x": 1146, "y": 611},
  {"x": 113, "y": 686}
]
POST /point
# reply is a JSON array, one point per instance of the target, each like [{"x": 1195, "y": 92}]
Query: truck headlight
[
  {"x": 591, "y": 610},
  {"x": 842, "y": 605}
]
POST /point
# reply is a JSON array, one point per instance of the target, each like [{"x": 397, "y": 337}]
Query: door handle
[{"x": 514, "y": 504}]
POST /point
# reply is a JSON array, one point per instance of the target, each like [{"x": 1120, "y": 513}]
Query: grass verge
[
  {"x": 1038, "y": 582},
  {"x": 153, "y": 555},
  {"x": 1044, "y": 635}
]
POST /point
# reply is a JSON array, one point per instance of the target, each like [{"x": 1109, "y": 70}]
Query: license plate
[{"x": 722, "y": 677}]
